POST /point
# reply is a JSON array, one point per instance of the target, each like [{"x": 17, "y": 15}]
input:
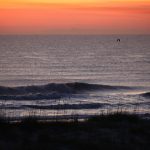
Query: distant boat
[{"x": 118, "y": 40}]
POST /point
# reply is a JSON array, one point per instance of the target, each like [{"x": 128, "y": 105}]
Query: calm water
[{"x": 42, "y": 60}]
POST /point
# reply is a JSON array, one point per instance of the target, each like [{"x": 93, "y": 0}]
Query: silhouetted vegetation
[{"x": 119, "y": 131}]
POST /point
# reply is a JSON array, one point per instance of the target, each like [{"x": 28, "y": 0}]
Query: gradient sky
[{"x": 74, "y": 16}]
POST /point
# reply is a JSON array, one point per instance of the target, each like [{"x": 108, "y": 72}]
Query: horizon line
[{"x": 43, "y": 34}]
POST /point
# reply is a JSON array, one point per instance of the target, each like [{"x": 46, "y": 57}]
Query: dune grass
[{"x": 120, "y": 131}]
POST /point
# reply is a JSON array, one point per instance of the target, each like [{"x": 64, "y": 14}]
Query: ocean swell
[{"x": 52, "y": 91}]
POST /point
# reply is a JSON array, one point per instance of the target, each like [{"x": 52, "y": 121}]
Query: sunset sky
[{"x": 74, "y": 16}]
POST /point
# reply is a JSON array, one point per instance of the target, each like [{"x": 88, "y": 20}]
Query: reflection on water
[{"x": 39, "y": 60}]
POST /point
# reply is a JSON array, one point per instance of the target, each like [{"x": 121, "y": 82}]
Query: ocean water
[{"x": 74, "y": 75}]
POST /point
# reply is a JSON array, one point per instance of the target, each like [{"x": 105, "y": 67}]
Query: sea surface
[{"x": 74, "y": 75}]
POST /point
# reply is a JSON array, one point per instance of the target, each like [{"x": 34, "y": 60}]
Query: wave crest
[
  {"x": 51, "y": 91},
  {"x": 147, "y": 94}
]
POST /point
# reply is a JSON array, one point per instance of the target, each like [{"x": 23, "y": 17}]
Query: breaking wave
[
  {"x": 147, "y": 94},
  {"x": 52, "y": 90},
  {"x": 62, "y": 106}
]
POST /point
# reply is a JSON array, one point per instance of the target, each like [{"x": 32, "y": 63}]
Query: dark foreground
[{"x": 115, "y": 132}]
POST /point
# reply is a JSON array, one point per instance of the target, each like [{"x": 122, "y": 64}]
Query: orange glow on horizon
[{"x": 75, "y": 17}]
